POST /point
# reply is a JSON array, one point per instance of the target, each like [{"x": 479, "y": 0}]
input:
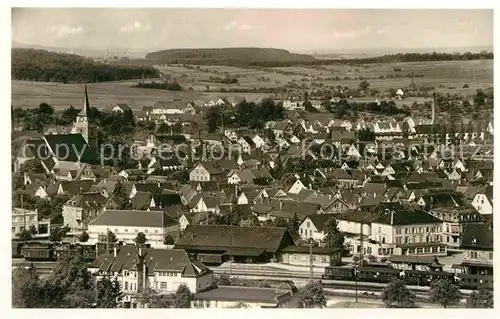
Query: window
[
  {"x": 473, "y": 254},
  {"x": 163, "y": 286},
  {"x": 407, "y": 230},
  {"x": 398, "y": 240},
  {"x": 308, "y": 225},
  {"x": 426, "y": 229},
  {"x": 323, "y": 259},
  {"x": 32, "y": 218},
  {"x": 207, "y": 304},
  {"x": 303, "y": 258},
  {"x": 156, "y": 231},
  {"x": 126, "y": 285},
  {"x": 125, "y": 273},
  {"x": 145, "y": 231},
  {"x": 420, "y": 250},
  {"x": 398, "y": 231},
  {"x": 434, "y": 249},
  {"x": 126, "y": 230},
  {"x": 490, "y": 255},
  {"x": 427, "y": 249},
  {"x": 136, "y": 231},
  {"x": 383, "y": 240},
  {"x": 407, "y": 239},
  {"x": 13, "y": 229}
]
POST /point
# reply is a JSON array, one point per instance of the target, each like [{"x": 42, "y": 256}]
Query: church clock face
[{"x": 81, "y": 119}]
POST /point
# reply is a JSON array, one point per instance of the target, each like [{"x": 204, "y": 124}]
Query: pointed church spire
[{"x": 86, "y": 104}]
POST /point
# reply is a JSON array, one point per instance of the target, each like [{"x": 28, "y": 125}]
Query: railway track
[{"x": 327, "y": 283}]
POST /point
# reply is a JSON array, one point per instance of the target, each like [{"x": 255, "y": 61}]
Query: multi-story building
[
  {"x": 23, "y": 219},
  {"x": 81, "y": 209},
  {"x": 161, "y": 270},
  {"x": 477, "y": 243},
  {"x": 126, "y": 224}
]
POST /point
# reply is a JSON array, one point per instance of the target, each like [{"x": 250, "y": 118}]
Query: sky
[{"x": 294, "y": 30}]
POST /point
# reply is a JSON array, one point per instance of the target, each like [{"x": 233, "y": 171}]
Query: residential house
[
  {"x": 23, "y": 219},
  {"x": 477, "y": 243},
  {"x": 159, "y": 270},
  {"x": 121, "y": 108},
  {"x": 313, "y": 227},
  {"x": 483, "y": 201},
  {"x": 78, "y": 211}
]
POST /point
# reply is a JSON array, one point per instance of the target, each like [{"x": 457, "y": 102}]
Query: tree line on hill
[
  {"x": 171, "y": 86},
  {"x": 284, "y": 58},
  {"x": 46, "y": 66}
]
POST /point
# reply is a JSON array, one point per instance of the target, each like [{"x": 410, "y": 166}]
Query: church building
[{"x": 65, "y": 156}]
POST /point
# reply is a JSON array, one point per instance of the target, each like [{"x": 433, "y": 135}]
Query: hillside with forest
[
  {"x": 47, "y": 66},
  {"x": 230, "y": 56}
]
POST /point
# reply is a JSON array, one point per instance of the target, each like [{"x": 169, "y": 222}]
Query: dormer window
[{"x": 474, "y": 240}]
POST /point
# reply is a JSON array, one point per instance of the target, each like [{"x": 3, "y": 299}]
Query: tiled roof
[
  {"x": 138, "y": 218},
  {"x": 225, "y": 237},
  {"x": 68, "y": 147},
  {"x": 174, "y": 260},
  {"x": 478, "y": 236}
]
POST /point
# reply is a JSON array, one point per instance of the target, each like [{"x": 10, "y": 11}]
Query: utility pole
[{"x": 310, "y": 260}]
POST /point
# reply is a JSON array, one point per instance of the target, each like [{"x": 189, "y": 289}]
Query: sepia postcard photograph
[{"x": 251, "y": 158}]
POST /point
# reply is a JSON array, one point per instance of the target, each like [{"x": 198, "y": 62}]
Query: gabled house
[
  {"x": 314, "y": 227},
  {"x": 483, "y": 201},
  {"x": 81, "y": 209}
]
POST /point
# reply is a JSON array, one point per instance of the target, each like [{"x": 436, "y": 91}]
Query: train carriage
[
  {"x": 339, "y": 273},
  {"x": 424, "y": 278},
  {"x": 377, "y": 274},
  {"x": 38, "y": 251},
  {"x": 468, "y": 281}
]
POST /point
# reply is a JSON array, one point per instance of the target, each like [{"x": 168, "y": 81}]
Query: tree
[
  {"x": 365, "y": 134},
  {"x": 152, "y": 299},
  {"x": 481, "y": 298},
  {"x": 58, "y": 233},
  {"x": 168, "y": 240},
  {"x": 309, "y": 107},
  {"x": 312, "y": 296},
  {"x": 108, "y": 293},
  {"x": 32, "y": 166},
  {"x": 334, "y": 238},
  {"x": 22, "y": 285},
  {"x": 182, "y": 297},
  {"x": 24, "y": 235},
  {"x": 121, "y": 196},
  {"x": 45, "y": 109},
  {"x": 293, "y": 226},
  {"x": 111, "y": 237},
  {"x": 83, "y": 237},
  {"x": 364, "y": 85},
  {"x": 397, "y": 294},
  {"x": 445, "y": 293},
  {"x": 140, "y": 238},
  {"x": 214, "y": 118},
  {"x": 223, "y": 280}
]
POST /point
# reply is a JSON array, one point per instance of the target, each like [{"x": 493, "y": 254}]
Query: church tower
[{"x": 83, "y": 126}]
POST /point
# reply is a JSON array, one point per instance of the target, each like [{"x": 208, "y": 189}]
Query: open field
[
  {"x": 477, "y": 74},
  {"x": 31, "y": 94},
  {"x": 446, "y": 77}
]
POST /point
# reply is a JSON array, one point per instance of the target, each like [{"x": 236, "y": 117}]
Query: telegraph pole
[{"x": 310, "y": 261}]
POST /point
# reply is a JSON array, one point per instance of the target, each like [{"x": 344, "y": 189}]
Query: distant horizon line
[{"x": 302, "y": 51}]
